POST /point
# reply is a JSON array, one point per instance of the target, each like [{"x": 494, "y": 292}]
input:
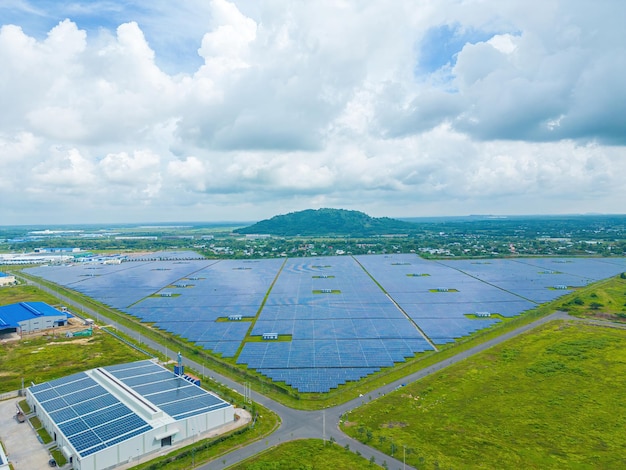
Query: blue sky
[{"x": 121, "y": 111}]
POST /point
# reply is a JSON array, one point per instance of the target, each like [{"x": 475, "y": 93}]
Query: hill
[{"x": 327, "y": 222}]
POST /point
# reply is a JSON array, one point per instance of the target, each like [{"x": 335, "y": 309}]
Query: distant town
[{"x": 458, "y": 237}]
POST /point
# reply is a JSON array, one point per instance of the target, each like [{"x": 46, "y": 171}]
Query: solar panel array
[
  {"x": 90, "y": 417},
  {"x": 330, "y": 312},
  {"x": 176, "y": 396},
  {"x": 93, "y": 419}
]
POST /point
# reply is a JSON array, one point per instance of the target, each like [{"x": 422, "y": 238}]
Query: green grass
[
  {"x": 44, "y": 435},
  {"x": 309, "y": 454},
  {"x": 58, "y": 456},
  {"x": 40, "y": 359},
  {"x": 546, "y": 399},
  {"x": 23, "y": 293},
  {"x": 24, "y": 406},
  {"x": 605, "y": 300},
  {"x": 35, "y": 422}
]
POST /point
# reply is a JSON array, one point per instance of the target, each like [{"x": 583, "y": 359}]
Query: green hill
[{"x": 327, "y": 222}]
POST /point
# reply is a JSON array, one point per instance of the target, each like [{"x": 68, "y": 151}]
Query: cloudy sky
[{"x": 197, "y": 110}]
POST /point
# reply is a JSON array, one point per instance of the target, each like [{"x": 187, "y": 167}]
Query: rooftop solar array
[
  {"x": 174, "y": 395},
  {"x": 89, "y": 416},
  {"x": 350, "y": 314},
  {"x": 93, "y": 419}
]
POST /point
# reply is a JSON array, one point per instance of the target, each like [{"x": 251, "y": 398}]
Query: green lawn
[
  {"x": 606, "y": 300},
  {"x": 547, "y": 399},
  {"x": 23, "y": 293},
  {"x": 39, "y": 359},
  {"x": 309, "y": 454}
]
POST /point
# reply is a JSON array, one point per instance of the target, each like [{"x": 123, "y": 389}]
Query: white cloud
[{"x": 295, "y": 104}]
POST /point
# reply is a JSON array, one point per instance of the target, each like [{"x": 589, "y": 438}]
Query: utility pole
[{"x": 404, "y": 457}]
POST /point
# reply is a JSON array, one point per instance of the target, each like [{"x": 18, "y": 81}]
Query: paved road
[{"x": 296, "y": 424}]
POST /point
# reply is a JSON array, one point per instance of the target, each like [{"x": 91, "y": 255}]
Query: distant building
[
  {"x": 29, "y": 317},
  {"x": 6, "y": 279}
]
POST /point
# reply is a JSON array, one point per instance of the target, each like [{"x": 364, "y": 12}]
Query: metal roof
[
  {"x": 92, "y": 418},
  {"x": 11, "y": 315}
]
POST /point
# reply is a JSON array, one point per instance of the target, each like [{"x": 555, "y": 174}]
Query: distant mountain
[{"x": 326, "y": 222}]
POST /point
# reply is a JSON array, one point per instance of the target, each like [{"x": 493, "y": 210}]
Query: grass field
[
  {"x": 39, "y": 359},
  {"x": 308, "y": 454},
  {"x": 23, "y": 293},
  {"x": 548, "y": 399},
  {"x": 607, "y": 301}
]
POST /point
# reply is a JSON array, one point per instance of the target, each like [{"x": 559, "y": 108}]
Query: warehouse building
[
  {"x": 29, "y": 317},
  {"x": 113, "y": 415},
  {"x": 6, "y": 279}
]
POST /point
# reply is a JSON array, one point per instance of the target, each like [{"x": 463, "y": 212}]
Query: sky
[{"x": 195, "y": 110}]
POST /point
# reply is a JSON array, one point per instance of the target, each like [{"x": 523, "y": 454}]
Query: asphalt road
[{"x": 297, "y": 424}]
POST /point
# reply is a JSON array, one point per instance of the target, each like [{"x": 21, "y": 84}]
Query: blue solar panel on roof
[
  {"x": 74, "y": 426},
  {"x": 45, "y": 394},
  {"x": 95, "y": 404},
  {"x": 85, "y": 440},
  {"x": 62, "y": 415},
  {"x": 147, "y": 378}
]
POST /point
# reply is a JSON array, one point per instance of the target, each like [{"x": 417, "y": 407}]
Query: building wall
[
  {"x": 138, "y": 446},
  {"x": 6, "y": 280},
  {"x": 42, "y": 322}
]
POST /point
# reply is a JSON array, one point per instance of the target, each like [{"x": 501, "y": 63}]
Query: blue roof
[
  {"x": 11, "y": 315},
  {"x": 4, "y": 275}
]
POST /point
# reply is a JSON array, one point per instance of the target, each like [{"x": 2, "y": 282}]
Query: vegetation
[
  {"x": 41, "y": 358},
  {"x": 606, "y": 301},
  {"x": 58, "y": 456},
  {"x": 309, "y": 454},
  {"x": 41, "y": 432},
  {"x": 328, "y": 222},
  {"x": 23, "y": 293},
  {"x": 543, "y": 400}
]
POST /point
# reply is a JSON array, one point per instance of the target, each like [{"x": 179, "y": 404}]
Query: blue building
[{"x": 29, "y": 317}]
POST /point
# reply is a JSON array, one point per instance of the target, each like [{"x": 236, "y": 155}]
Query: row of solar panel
[
  {"x": 339, "y": 329},
  {"x": 319, "y": 380}
]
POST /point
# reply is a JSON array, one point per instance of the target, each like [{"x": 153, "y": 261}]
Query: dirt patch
[
  {"x": 74, "y": 341},
  {"x": 395, "y": 424},
  {"x": 349, "y": 424}
]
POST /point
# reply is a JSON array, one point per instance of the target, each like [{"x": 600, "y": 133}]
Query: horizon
[{"x": 151, "y": 224}]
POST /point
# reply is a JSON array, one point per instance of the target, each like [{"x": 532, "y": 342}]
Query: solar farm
[{"x": 331, "y": 319}]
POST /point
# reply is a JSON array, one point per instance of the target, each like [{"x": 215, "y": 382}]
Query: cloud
[{"x": 240, "y": 110}]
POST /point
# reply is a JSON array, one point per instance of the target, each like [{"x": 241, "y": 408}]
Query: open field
[
  {"x": 23, "y": 293},
  {"x": 606, "y": 301},
  {"x": 547, "y": 399},
  {"x": 39, "y": 358},
  {"x": 309, "y": 454}
]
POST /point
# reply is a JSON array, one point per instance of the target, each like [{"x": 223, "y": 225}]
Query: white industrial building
[
  {"x": 6, "y": 279},
  {"x": 113, "y": 415}
]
